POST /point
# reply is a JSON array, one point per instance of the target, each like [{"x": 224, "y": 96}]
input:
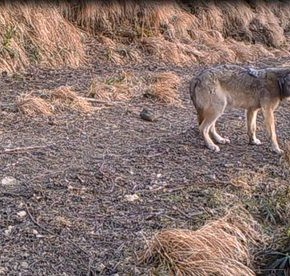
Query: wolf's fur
[{"x": 230, "y": 85}]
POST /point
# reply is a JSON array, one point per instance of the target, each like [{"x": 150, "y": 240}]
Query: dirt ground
[{"x": 70, "y": 211}]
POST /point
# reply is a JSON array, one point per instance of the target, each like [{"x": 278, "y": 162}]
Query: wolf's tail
[{"x": 192, "y": 90}]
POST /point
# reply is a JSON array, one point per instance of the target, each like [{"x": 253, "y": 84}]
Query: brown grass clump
[
  {"x": 119, "y": 87},
  {"x": 220, "y": 247},
  {"x": 165, "y": 88},
  {"x": 64, "y": 97},
  {"x": 33, "y": 106}
]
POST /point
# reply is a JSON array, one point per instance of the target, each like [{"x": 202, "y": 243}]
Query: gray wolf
[{"x": 215, "y": 88}]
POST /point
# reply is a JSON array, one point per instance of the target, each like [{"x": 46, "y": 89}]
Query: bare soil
[{"x": 74, "y": 184}]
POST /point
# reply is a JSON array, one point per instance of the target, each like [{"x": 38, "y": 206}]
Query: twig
[
  {"x": 50, "y": 232},
  {"x": 36, "y": 223},
  {"x": 21, "y": 149}
]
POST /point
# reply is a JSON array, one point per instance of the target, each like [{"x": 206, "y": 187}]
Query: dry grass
[
  {"x": 64, "y": 97},
  {"x": 49, "y": 102},
  {"x": 37, "y": 34},
  {"x": 170, "y": 52},
  {"x": 34, "y": 106},
  {"x": 285, "y": 159},
  {"x": 220, "y": 247},
  {"x": 164, "y": 88},
  {"x": 197, "y": 32},
  {"x": 118, "y": 87},
  {"x": 183, "y": 33}
]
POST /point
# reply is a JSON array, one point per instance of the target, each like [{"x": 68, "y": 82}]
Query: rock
[
  {"x": 24, "y": 265},
  {"x": 8, "y": 231},
  {"x": 3, "y": 270},
  {"x": 147, "y": 115},
  {"x": 132, "y": 198},
  {"x": 100, "y": 268},
  {"x": 21, "y": 214},
  {"x": 212, "y": 176},
  {"x": 9, "y": 181}
]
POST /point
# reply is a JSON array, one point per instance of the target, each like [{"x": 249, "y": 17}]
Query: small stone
[
  {"x": 158, "y": 175},
  {"x": 147, "y": 115},
  {"x": 132, "y": 198},
  {"x": 24, "y": 264},
  {"x": 35, "y": 232},
  {"x": 8, "y": 231},
  {"x": 101, "y": 267},
  {"x": 212, "y": 176},
  {"x": 9, "y": 181},
  {"x": 3, "y": 270},
  {"x": 21, "y": 214}
]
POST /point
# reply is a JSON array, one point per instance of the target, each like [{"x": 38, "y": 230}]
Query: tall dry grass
[
  {"x": 37, "y": 33},
  {"x": 48, "y": 33},
  {"x": 220, "y": 247},
  {"x": 164, "y": 87}
]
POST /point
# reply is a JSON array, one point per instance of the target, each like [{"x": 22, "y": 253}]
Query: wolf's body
[{"x": 230, "y": 85}]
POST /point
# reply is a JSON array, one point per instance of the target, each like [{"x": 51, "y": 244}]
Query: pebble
[
  {"x": 24, "y": 264},
  {"x": 9, "y": 181},
  {"x": 21, "y": 214},
  {"x": 132, "y": 198},
  {"x": 147, "y": 115},
  {"x": 8, "y": 231}
]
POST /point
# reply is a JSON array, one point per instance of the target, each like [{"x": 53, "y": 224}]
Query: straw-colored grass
[
  {"x": 34, "y": 106},
  {"x": 164, "y": 88},
  {"x": 221, "y": 247},
  {"x": 48, "y": 33},
  {"x": 36, "y": 33},
  {"x": 184, "y": 33},
  {"x": 118, "y": 87},
  {"x": 48, "y": 102},
  {"x": 64, "y": 97}
]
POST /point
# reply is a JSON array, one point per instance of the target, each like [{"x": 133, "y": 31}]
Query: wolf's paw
[
  {"x": 277, "y": 150},
  {"x": 255, "y": 141},
  {"x": 214, "y": 147},
  {"x": 223, "y": 141}
]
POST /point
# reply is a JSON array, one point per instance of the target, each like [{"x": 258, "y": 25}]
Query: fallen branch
[
  {"x": 22, "y": 149},
  {"x": 36, "y": 223}
]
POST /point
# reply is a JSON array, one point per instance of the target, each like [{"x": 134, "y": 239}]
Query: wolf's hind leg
[
  {"x": 219, "y": 139},
  {"x": 205, "y": 127}
]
